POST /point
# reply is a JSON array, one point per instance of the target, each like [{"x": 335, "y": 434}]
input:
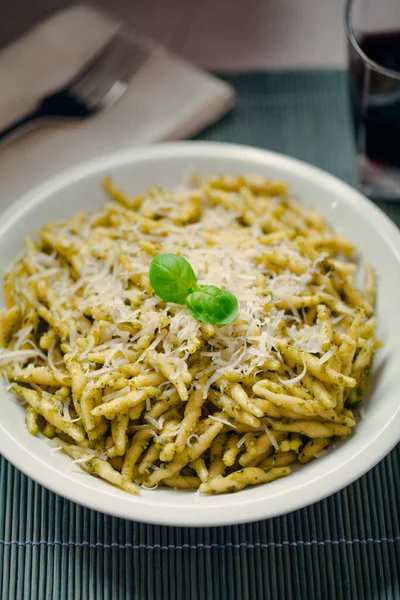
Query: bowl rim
[{"x": 374, "y": 449}]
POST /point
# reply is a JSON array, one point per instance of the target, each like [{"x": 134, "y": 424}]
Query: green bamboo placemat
[{"x": 347, "y": 546}]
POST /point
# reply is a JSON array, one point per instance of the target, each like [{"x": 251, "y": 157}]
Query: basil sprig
[{"x": 173, "y": 280}]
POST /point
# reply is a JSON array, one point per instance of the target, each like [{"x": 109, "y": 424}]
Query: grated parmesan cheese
[
  {"x": 224, "y": 421},
  {"x": 328, "y": 354},
  {"x": 98, "y": 372},
  {"x": 7, "y": 356},
  {"x": 307, "y": 337},
  {"x": 116, "y": 394},
  {"x": 50, "y": 354},
  {"x": 66, "y": 413},
  {"x": 295, "y": 379},
  {"x": 188, "y": 441},
  {"x": 272, "y": 439},
  {"x": 156, "y": 424},
  {"x": 145, "y": 487},
  {"x": 242, "y": 440}
]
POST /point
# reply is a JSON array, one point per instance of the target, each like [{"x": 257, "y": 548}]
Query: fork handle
[{"x": 20, "y": 123}]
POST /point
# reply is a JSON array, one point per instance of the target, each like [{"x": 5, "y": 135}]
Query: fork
[{"x": 99, "y": 84}]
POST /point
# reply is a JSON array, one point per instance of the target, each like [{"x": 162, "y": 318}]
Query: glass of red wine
[{"x": 373, "y": 31}]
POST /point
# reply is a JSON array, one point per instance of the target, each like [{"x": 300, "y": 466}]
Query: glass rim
[{"x": 353, "y": 41}]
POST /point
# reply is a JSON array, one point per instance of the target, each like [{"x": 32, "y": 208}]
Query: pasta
[{"x": 140, "y": 393}]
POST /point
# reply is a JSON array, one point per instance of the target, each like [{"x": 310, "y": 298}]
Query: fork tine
[
  {"x": 122, "y": 60},
  {"x": 117, "y": 61},
  {"x": 95, "y": 61}
]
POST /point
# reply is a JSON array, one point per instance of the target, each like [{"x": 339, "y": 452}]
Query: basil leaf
[
  {"x": 171, "y": 277},
  {"x": 211, "y": 305}
]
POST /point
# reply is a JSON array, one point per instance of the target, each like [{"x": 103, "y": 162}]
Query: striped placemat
[{"x": 347, "y": 546}]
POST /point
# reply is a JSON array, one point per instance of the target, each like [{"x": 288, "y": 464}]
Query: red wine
[{"x": 376, "y": 98}]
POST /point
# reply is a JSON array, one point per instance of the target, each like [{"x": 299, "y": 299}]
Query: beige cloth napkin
[{"x": 167, "y": 99}]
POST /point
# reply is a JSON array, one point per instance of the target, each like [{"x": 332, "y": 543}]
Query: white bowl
[{"x": 347, "y": 210}]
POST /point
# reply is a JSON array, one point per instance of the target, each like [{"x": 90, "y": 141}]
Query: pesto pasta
[{"x": 256, "y": 366}]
